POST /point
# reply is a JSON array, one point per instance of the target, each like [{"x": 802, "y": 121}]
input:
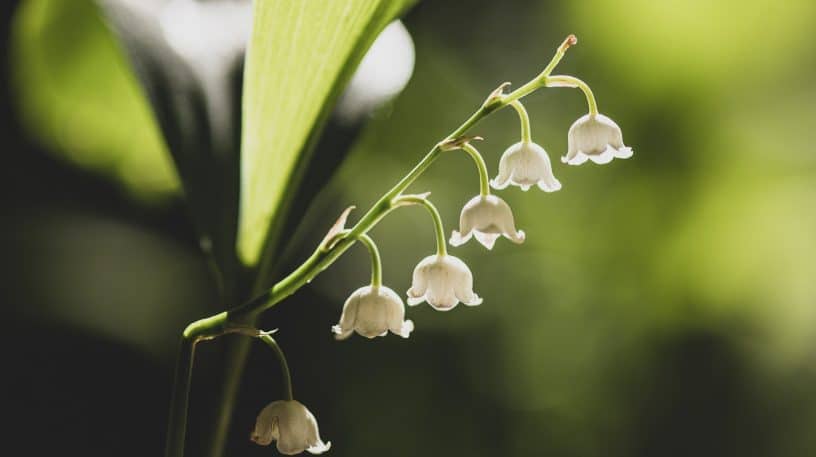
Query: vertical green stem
[
  {"x": 484, "y": 180},
  {"x": 441, "y": 247},
  {"x": 376, "y": 261},
  {"x": 177, "y": 422},
  {"x": 287, "y": 377},
  {"x": 526, "y": 136}
]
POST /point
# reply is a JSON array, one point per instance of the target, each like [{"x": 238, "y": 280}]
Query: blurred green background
[{"x": 663, "y": 305}]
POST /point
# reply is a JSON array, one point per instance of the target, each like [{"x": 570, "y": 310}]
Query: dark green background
[{"x": 662, "y": 306}]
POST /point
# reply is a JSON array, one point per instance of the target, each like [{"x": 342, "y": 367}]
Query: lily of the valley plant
[{"x": 440, "y": 279}]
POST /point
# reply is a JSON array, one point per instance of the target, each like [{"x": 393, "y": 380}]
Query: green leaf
[
  {"x": 77, "y": 95},
  {"x": 188, "y": 58},
  {"x": 300, "y": 56}
]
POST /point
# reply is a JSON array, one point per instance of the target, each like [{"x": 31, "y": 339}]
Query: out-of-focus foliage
[
  {"x": 188, "y": 57},
  {"x": 78, "y": 95},
  {"x": 300, "y": 57},
  {"x": 700, "y": 247},
  {"x": 661, "y": 306}
]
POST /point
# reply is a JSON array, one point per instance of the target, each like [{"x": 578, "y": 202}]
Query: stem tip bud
[{"x": 571, "y": 40}]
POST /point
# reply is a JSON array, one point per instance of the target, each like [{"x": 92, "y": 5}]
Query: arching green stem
[
  {"x": 484, "y": 180},
  {"x": 287, "y": 377},
  {"x": 571, "y": 81},
  {"x": 441, "y": 247},
  {"x": 322, "y": 257},
  {"x": 538, "y": 81},
  {"x": 376, "y": 261},
  {"x": 526, "y": 137}
]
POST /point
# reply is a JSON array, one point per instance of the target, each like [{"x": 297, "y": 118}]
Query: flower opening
[
  {"x": 442, "y": 281},
  {"x": 372, "y": 311},
  {"x": 596, "y": 138},
  {"x": 290, "y": 424},
  {"x": 486, "y": 217},
  {"x": 526, "y": 164}
]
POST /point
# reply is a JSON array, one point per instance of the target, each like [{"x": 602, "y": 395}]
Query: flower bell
[
  {"x": 373, "y": 311},
  {"x": 487, "y": 217},
  {"x": 443, "y": 281},
  {"x": 597, "y": 138},
  {"x": 526, "y": 164},
  {"x": 290, "y": 424}
]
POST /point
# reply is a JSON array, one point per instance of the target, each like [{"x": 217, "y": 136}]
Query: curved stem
[
  {"x": 484, "y": 180},
  {"x": 287, "y": 377},
  {"x": 571, "y": 81},
  {"x": 439, "y": 229},
  {"x": 376, "y": 261},
  {"x": 209, "y": 327},
  {"x": 538, "y": 81},
  {"x": 526, "y": 137},
  {"x": 321, "y": 258}
]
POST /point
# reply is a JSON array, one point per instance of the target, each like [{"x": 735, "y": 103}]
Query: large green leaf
[
  {"x": 77, "y": 95},
  {"x": 188, "y": 57},
  {"x": 300, "y": 56}
]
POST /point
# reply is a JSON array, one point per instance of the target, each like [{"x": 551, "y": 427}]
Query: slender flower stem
[
  {"x": 322, "y": 257},
  {"x": 526, "y": 137},
  {"x": 376, "y": 261},
  {"x": 484, "y": 180},
  {"x": 177, "y": 423},
  {"x": 439, "y": 228},
  {"x": 538, "y": 81},
  {"x": 287, "y": 377},
  {"x": 571, "y": 81}
]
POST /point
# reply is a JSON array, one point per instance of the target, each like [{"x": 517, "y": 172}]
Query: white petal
[
  {"x": 487, "y": 240},
  {"x": 339, "y": 333},
  {"x": 578, "y": 159},
  {"x": 516, "y": 237},
  {"x": 598, "y": 137},
  {"x": 319, "y": 448},
  {"x": 548, "y": 185},
  {"x": 444, "y": 303},
  {"x": 415, "y": 300},
  {"x": 623, "y": 153},
  {"x": 457, "y": 239},
  {"x": 290, "y": 424},
  {"x": 603, "y": 158},
  {"x": 472, "y": 300},
  {"x": 405, "y": 329}
]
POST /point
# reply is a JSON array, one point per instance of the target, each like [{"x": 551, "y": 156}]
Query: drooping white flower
[
  {"x": 596, "y": 138},
  {"x": 486, "y": 217},
  {"x": 290, "y": 424},
  {"x": 526, "y": 164},
  {"x": 373, "y": 311},
  {"x": 443, "y": 281}
]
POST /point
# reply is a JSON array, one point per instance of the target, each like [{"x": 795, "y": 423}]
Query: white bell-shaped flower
[
  {"x": 487, "y": 217},
  {"x": 596, "y": 138},
  {"x": 373, "y": 311},
  {"x": 443, "y": 281},
  {"x": 526, "y": 164},
  {"x": 290, "y": 424}
]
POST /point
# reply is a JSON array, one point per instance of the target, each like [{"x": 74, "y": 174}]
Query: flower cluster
[{"x": 440, "y": 279}]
